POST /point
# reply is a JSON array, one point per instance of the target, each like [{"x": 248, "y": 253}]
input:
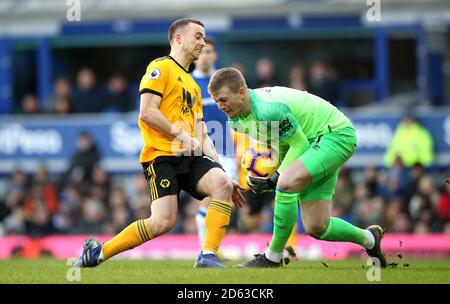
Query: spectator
[
  {"x": 69, "y": 203},
  {"x": 402, "y": 224},
  {"x": 42, "y": 193},
  {"x": 12, "y": 217},
  {"x": 117, "y": 98},
  {"x": 119, "y": 210},
  {"x": 372, "y": 181},
  {"x": 417, "y": 171},
  {"x": 265, "y": 74},
  {"x": 11, "y": 212},
  {"x": 393, "y": 209},
  {"x": 39, "y": 222},
  {"x": 84, "y": 159},
  {"x": 19, "y": 179},
  {"x": 61, "y": 91},
  {"x": 369, "y": 211},
  {"x": 86, "y": 98},
  {"x": 396, "y": 180},
  {"x": 93, "y": 217},
  {"x": 30, "y": 104},
  {"x": 139, "y": 198},
  {"x": 100, "y": 185},
  {"x": 321, "y": 83},
  {"x": 423, "y": 205},
  {"x": 297, "y": 78},
  {"x": 344, "y": 198},
  {"x": 15, "y": 223},
  {"x": 443, "y": 208},
  {"x": 118, "y": 199},
  {"x": 412, "y": 143},
  {"x": 63, "y": 106}
]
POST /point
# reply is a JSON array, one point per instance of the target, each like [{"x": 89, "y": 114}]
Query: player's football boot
[
  {"x": 260, "y": 261},
  {"x": 220, "y": 258},
  {"x": 376, "y": 251},
  {"x": 91, "y": 251},
  {"x": 207, "y": 261},
  {"x": 289, "y": 254}
]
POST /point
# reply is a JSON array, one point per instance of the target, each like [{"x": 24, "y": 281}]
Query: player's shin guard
[
  {"x": 285, "y": 217},
  {"x": 216, "y": 222},
  {"x": 133, "y": 235},
  {"x": 339, "y": 230}
]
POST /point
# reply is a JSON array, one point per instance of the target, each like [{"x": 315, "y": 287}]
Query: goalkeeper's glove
[{"x": 262, "y": 184}]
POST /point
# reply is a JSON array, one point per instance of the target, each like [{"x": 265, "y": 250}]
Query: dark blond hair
[
  {"x": 229, "y": 77},
  {"x": 180, "y": 23}
]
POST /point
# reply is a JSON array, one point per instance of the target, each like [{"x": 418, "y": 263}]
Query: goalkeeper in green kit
[{"x": 314, "y": 140}]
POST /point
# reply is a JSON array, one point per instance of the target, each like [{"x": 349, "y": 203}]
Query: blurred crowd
[
  {"x": 87, "y": 95},
  {"x": 87, "y": 200},
  {"x": 405, "y": 196}
]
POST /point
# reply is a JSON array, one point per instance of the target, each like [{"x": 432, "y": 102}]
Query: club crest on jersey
[{"x": 154, "y": 74}]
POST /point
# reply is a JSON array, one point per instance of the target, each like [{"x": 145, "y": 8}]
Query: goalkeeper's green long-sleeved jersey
[{"x": 288, "y": 120}]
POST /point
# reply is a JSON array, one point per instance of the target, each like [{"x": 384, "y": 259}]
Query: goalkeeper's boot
[
  {"x": 260, "y": 261},
  {"x": 376, "y": 251},
  {"x": 90, "y": 255},
  {"x": 289, "y": 254},
  {"x": 207, "y": 261}
]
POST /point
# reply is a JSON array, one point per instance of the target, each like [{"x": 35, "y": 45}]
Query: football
[{"x": 260, "y": 160}]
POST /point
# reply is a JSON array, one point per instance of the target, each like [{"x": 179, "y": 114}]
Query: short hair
[
  {"x": 229, "y": 77},
  {"x": 180, "y": 23}
]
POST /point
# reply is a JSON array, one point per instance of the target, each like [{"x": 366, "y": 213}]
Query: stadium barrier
[
  {"x": 30, "y": 142},
  {"x": 234, "y": 246}
]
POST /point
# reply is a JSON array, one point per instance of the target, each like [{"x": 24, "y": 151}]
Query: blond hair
[{"x": 229, "y": 77}]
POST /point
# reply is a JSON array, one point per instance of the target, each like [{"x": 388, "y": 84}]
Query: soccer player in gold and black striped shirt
[{"x": 177, "y": 153}]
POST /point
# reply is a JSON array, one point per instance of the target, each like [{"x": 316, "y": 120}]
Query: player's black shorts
[
  {"x": 167, "y": 175},
  {"x": 256, "y": 202}
]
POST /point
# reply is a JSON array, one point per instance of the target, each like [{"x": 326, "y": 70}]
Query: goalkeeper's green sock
[
  {"x": 285, "y": 217},
  {"x": 339, "y": 230}
]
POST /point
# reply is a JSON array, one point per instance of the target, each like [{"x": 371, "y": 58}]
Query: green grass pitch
[{"x": 181, "y": 272}]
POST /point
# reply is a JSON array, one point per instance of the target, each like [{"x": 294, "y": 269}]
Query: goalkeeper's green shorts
[{"x": 323, "y": 160}]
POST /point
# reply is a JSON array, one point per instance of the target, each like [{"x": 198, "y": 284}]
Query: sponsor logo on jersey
[
  {"x": 185, "y": 110},
  {"x": 285, "y": 125}
]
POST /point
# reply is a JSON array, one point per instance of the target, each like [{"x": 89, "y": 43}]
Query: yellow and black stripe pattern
[
  {"x": 152, "y": 181},
  {"x": 144, "y": 230},
  {"x": 220, "y": 206}
]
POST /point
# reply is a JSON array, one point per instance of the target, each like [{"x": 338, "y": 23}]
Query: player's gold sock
[
  {"x": 133, "y": 235},
  {"x": 292, "y": 240},
  {"x": 216, "y": 222}
]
